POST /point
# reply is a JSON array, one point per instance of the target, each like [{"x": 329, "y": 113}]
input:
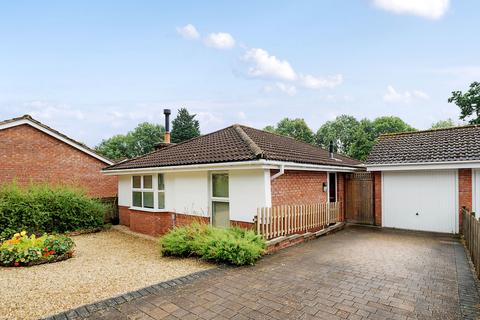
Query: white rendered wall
[
  {"x": 124, "y": 191},
  {"x": 189, "y": 192},
  {"x": 249, "y": 190}
]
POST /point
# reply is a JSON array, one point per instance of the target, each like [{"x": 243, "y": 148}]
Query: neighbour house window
[
  {"x": 220, "y": 200},
  {"x": 161, "y": 191},
  {"x": 142, "y": 192}
]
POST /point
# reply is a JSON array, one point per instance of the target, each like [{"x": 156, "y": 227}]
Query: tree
[
  {"x": 441, "y": 124},
  {"x": 184, "y": 126},
  {"x": 365, "y": 138},
  {"x": 342, "y": 131},
  {"x": 390, "y": 124},
  {"x": 294, "y": 128},
  {"x": 135, "y": 143},
  {"x": 468, "y": 102}
]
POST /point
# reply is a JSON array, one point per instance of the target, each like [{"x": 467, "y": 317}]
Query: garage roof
[
  {"x": 430, "y": 146},
  {"x": 236, "y": 143}
]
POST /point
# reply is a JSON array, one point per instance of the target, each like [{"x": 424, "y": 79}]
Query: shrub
[
  {"x": 42, "y": 209},
  {"x": 233, "y": 245},
  {"x": 22, "y": 250}
]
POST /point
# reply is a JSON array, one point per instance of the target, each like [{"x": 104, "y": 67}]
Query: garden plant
[
  {"x": 235, "y": 246},
  {"x": 24, "y": 250}
]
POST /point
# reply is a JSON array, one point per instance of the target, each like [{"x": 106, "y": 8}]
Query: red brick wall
[
  {"x": 159, "y": 223},
  {"x": 464, "y": 191},
  {"x": 298, "y": 187},
  {"x": 377, "y": 196},
  {"x": 30, "y": 155}
]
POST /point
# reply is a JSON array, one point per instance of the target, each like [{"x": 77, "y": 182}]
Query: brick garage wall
[
  {"x": 377, "y": 197},
  {"x": 30, "y": 155},
  {"x": 465, "y": 194},
  {"x": 159, "y": 223},
  {"x": 298, "y": 187}
]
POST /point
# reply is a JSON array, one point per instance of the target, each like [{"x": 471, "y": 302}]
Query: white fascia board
[
  {"x": 424, "y": 166},
  {"x": 253, "y": 164},
  {"x": 56, "y": 136}
]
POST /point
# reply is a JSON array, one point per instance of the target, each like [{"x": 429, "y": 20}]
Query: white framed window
[
  {"x": 161, "y": 191},
  {"x": 142, "y": 192},
  {"x": 220, "y": 199}
]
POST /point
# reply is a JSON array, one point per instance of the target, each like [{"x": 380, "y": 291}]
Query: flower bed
[
  {"x": 233, "y": 245},
  {"x": 24, "y": 250}
]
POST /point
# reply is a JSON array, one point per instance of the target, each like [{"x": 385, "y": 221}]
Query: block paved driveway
[{"x": 356, "y": 273}]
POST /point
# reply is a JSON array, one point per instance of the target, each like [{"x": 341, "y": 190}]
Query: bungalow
[
  {"x": 32, "y": 152},
  {"x": 423, "y": 179},
  {"x": 223, "y": 177}
]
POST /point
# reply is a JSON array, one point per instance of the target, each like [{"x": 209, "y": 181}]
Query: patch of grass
[
  {"x": 234, "y": 246},
  {"x": 40, "y": 209}
]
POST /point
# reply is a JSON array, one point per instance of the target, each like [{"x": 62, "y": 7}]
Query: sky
[{"x": 92, "y": 69}]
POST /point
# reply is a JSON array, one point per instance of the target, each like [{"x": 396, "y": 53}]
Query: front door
[{"x": 332, "y": 187}]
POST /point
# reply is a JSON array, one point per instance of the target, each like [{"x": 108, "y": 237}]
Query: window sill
[{"x": 148, "y": 210}]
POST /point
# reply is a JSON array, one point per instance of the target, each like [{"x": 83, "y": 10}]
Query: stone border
[
  {"x": 88, "y": 309},
  {"x": 468, "y": 284},
  {"x": 283, "y": 242}
]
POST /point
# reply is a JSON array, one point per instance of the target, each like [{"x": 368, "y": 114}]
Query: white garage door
[
  {"x": 420, "y": 200},
  {"x": 476, "y": 191}
]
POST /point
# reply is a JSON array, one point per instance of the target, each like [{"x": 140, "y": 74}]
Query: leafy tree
[
  {"x": 294, "y": 128},
  {"x": 441, "y": 124},
  {"x": 342, "y": 131},
  {"x": 390, "y": 124},
  {"x": 365, "y": 137},
  {"x": 468, "y": 102},
  {"x": 135, "y": 143},
  {"x": 184, "y": 126}
]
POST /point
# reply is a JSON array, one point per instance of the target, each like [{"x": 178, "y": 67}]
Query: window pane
[
  {"x": 221, "y": 215},
  {"x": 147, "y": 182},
  {"x": 148, "y": 200},
  {"x": 137, "y": 199},
  {"x": 136, "y": 181},
  {"x": 161, "y": 183},
  {"x": 220, "y": 185},
  {"x": 161, "y": 200}
]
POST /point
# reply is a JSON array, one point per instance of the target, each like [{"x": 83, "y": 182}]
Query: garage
[
  {"x": 426, "y": 180},
  {"x": 420, "y": 200}
]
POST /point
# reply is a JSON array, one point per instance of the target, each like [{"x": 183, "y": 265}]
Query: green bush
[
  {"x": 42, "y": 209},
  {"x": 233, "y": 245},
  {"x": 22, "y": 250}
]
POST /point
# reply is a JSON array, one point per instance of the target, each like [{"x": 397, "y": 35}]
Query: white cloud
[
  {"x": 430, "y": 9},
  {"x": 46, "y": 110},
  {"x": 393, "y": 96},
  {"x": 264, "y": 65},
  {"x": 311, "y": 82},
  {"x": 241, "y": 115},
  {"x": 188, "y": 32},
  {"x": 220, "y": 40},
  {"x": 286, "y": 88}
]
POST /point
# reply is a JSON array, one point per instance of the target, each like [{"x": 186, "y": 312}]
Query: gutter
[
  {"x": 279, "y": 173},
  {"x": 424, "y": 165},
  {"x": 252, "y": 164}
]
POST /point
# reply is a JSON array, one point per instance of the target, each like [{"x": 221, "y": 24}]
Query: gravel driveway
[{"x": 105, "y": 264}]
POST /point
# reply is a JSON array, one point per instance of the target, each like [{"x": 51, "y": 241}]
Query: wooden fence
[
  {"x": 277, "y": 221},
  {"x": 471, "y": 234}
]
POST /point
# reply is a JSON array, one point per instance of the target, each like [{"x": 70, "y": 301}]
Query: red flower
[
  {"x": 16, "y": 264},
  {"x": 52, "y": 252}
]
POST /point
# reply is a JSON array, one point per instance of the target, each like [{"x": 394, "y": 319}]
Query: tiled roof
[
  {"x": 28, "y": 119},
  {"x": 440, "y": 145},
  {"x": 236, "y": 143}
]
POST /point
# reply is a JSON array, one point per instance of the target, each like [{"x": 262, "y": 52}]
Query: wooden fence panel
[
  {"x": 471, "y": 235},
  {"x": 277, "y": 221}
]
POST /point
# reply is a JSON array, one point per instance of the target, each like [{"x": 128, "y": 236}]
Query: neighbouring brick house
[
  {"x": 31, "y": 152},
  {"x": 423, "y": 179},
  {"x": 224, "y": 177}
]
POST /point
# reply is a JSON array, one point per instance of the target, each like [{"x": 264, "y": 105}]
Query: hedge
[
  {"x": 40, "y": 209},
  {"x": 234, "y": 246}
]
